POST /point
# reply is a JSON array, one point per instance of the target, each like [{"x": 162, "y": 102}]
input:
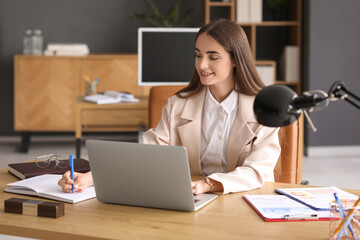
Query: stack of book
[
  {"x": 67, "y": 49},
  {"x": 110, "y": 97},
  {"x": 289, "y": 64},
  {"x": 249, "y": 11}
]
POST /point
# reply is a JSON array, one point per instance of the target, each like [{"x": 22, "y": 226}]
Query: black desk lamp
[{"x": 279, "y": 105}]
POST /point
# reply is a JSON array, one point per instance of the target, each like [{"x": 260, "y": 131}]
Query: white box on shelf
[
  {"x": 267, "y": 74},
  {"x": 289, "y": 64}
]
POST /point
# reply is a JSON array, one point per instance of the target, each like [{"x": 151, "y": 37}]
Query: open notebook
[{"x": 46, "y": 186}]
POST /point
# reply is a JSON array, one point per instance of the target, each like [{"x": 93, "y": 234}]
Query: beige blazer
[{"x": 252, "y": 149}]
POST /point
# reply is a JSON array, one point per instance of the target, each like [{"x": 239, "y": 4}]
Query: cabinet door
[
  {"x": 116, "y": 72},
  {"x": 45, "y": 93}
]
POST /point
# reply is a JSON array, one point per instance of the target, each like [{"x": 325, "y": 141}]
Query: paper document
[
  {"x": 318, "y": 198},
  {"x": 46, "y": 186},
  {"x": 282, "y": 208}
]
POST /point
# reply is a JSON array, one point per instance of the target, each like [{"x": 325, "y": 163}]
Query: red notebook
[
  {"x": 279, "y": 208},
  {"x": 30, "y": 169}
]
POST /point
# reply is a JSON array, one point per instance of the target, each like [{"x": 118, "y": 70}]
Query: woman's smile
[{"x": 206, "y": 74}]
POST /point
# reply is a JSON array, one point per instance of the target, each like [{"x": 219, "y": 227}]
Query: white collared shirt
[{"x": 217, "y": 120}]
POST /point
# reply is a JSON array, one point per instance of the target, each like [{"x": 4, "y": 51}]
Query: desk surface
[{"x": 227, "y": 217}]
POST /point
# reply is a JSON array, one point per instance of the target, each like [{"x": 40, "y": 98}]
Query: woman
[{"x": 213, "y": 117}]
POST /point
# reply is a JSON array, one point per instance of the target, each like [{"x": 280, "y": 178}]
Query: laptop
[{"x": 143, "y": 175}]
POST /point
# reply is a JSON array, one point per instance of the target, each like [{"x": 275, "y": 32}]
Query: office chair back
[
  {"x": 157, "y": 100},
  {"x": 289, "y": 166}
]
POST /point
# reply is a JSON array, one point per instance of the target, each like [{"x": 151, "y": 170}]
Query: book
[
  {"x": 277, "y": 208},
  {"x": 67, "y": 49},
  {"x": 318, "y": 198},
  {"x": 30, "y": 169},
  {"x": 67, "y": 46},
  {"x": 242, "y": 11},
  {"x": 249, "y": 11},
  {"x": 66, "y": 52},
  {"x": 111, "y": 97},
  {"x": 256, "y": 11},
  {"x": 46, "y": 186},
  {"x": 289, "y": 64}
]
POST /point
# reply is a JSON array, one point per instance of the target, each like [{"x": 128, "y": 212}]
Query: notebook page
[
  {"x": 47, "y": 186},
  {"x": 75, "y": 197},
  {"x": 40, "y": 183}
]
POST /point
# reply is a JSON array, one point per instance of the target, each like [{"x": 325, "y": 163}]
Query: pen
[
  {"x": 347, "y": 219},
  {"x": 343, "y": 215},
  {"x": 91, "y": 88},
  {"x": 95, "y": 85},
  {"x": 72, "y": 171}
]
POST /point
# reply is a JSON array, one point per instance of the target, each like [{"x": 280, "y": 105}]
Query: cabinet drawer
[{"x": 114, "y": 117}]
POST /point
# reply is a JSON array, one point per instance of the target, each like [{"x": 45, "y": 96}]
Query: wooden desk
[
  {"x": 119, "y": 117},
  {"x": 227, "y": 217}
]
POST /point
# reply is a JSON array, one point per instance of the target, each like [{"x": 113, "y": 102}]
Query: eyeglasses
[{"x": 46, "y": 159}]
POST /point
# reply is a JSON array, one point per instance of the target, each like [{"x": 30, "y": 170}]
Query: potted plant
[
  {"x": 173, "y": 18},
  {"x": 278, "y": 8}
]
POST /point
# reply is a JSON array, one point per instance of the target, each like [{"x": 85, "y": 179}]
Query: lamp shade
[{"x": 272, "y": 106}]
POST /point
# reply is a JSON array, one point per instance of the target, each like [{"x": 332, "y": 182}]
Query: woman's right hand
[{"x": 81, "y": 181}]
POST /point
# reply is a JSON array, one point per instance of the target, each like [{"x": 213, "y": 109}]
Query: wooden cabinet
[
  {"x": 267, "y": 38},
  {"x": 46, "y": 87}
]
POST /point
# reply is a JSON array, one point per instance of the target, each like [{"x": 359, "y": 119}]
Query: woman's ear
[{"x": 233, "y": 63}]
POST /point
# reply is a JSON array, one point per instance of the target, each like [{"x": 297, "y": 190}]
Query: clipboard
[{"x": 279, "y": 208}]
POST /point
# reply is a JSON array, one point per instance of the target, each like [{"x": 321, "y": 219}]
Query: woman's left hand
[{"x": 200, "y": 186}]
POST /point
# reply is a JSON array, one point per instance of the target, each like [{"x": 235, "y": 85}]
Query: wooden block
[
  {"x": 51, "y": 209},
  {"x": 34, "y": 207},
  {"x": 14, "y": 205}
]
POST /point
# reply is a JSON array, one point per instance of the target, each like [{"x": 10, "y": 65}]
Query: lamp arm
[
  {"x": 352, "y": 103},
  {"x": 339, "y": 91}
]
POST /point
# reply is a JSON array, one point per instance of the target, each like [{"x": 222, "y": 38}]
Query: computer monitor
[{"x": 166, "y": 56}]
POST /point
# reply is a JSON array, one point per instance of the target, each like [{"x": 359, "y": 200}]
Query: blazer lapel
[
  {"x": 241, "y": 133},
  {"x": 190, "y": 133}
]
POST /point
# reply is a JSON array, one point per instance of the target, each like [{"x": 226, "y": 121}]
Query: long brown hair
[{"x": 233, "y": 39}]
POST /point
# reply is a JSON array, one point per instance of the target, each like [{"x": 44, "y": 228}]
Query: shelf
[
  {"x": 271, "y": 24},
  {"x": 286, "y": 83},
  {"x": 267, "y": 38},
  {"x": 265, "y": 62},
  {"x": 230, "y": 6},
  {"x": 220, "y": 4}
]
